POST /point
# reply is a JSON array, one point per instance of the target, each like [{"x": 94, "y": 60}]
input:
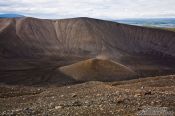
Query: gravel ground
[{"x": 152, "y": 95}]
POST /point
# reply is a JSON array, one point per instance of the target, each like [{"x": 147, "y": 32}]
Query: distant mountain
[{"x": 10, "y": 15}]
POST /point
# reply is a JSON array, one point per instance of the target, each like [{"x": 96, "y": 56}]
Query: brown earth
[{"x": 53, "y": 67}]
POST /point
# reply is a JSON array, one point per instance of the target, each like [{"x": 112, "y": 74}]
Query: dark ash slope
[{"x": 25, "y": 43}]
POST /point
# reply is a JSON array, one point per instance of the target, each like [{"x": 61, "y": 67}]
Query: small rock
[
  {"x": 142, "y": 87},
  {"x": 58, "y": 107},
  {"x": 53, "y": 97},
  {"x": 120, "y": 100},
  {"x": 139, "y": 108},
  {"x": 86, "y": 102},
  {"x": 117, "y": 92},
  {"x": 98, "y": 95},
  {"x": 51, "y": 105},
  {"x": 68, "y": 87},
  {"x": 17, "y": 110},
  {"x": 74, "y": 95},
  {"x": 137, "y": 95},
  {"x": 76, "y": 103},
  {"x": 62, "y": 96},
  {"x": 147, "y": 93},
  {"x": 152, "y": 103},
  {"x": 100, "y": 105},
  {"x": 28, "y": 111}
]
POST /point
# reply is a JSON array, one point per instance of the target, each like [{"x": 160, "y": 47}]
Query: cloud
[{"x": 106, "y": 9}]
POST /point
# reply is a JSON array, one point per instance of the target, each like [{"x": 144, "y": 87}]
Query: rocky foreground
[{"x": 153, "y": 95}]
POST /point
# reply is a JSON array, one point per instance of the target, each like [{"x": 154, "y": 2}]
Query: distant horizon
[
  {"x": 147, "y": 18},
  {"x": 150, "y": 22}
]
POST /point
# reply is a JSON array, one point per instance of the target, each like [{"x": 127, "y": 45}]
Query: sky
[{"x": 102, "y": 9}]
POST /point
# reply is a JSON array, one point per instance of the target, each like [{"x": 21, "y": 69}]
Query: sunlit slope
[{"x": 98, "y": 69}]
